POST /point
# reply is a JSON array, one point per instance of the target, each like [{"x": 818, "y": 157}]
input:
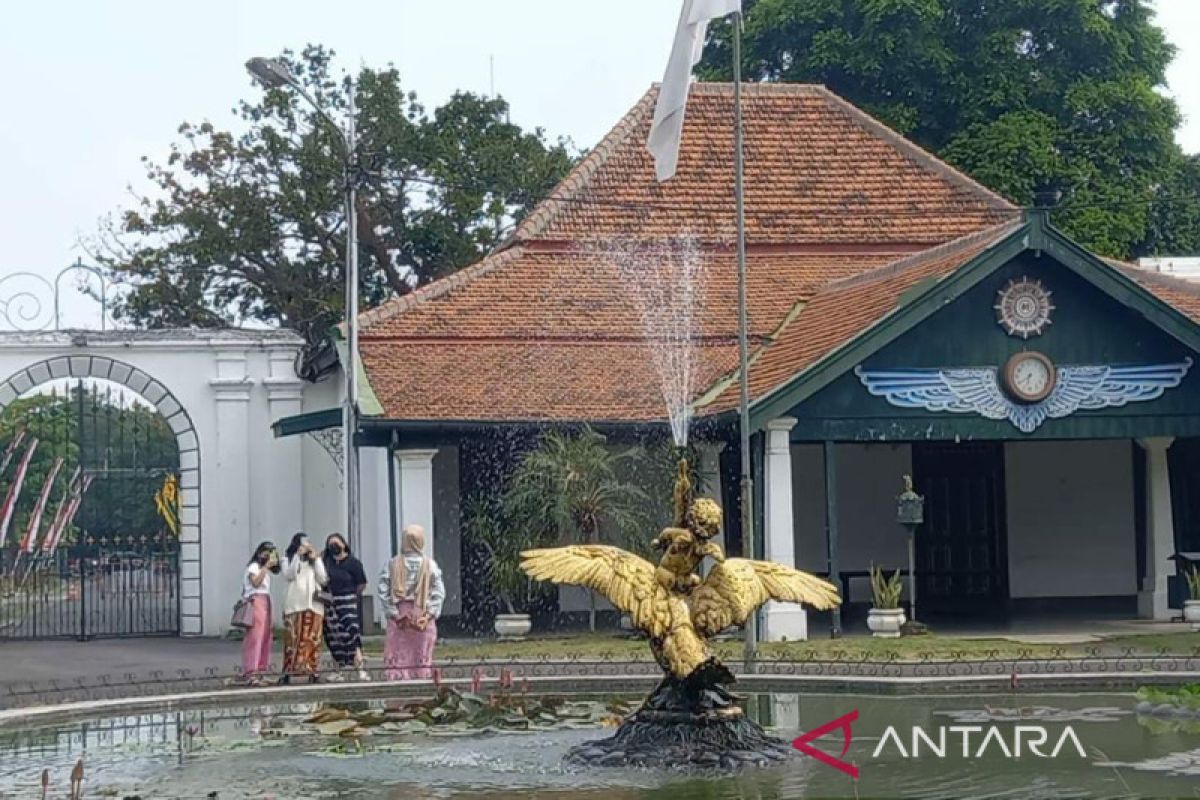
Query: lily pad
[{"x": 335, "y": 727}]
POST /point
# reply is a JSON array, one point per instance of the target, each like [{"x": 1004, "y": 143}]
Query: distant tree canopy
[
  {"x": 1020, "y": 94},
  {"x": 251, "y": 225}
]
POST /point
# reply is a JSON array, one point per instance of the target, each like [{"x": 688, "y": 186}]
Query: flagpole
[{"x": 747, "y": 494}]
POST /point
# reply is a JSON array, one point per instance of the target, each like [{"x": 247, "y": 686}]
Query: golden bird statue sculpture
[{"x": 677, "y": 609}]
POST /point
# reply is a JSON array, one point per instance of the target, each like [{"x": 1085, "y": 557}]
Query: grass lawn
[{"x": 612, "y": 646}]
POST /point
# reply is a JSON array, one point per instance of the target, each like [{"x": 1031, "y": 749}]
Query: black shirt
[{"x": 345, "y": 576}]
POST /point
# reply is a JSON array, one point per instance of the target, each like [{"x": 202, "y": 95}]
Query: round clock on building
[{"x": 1029, "y": 377}]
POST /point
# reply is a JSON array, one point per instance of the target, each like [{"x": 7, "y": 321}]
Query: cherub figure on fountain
[{"x": 691, "y": 718}]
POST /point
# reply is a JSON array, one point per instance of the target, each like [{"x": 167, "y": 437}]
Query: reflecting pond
[{"x": 278, "y": 752}]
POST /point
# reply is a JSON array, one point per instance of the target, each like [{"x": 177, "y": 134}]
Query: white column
[
  {"x": 1160, "y": 530},
  {"x": 781, "y": 621},
  {"x": 414, "y": 491},
  {"x": 228, "y": 539},
  {"x": 709, "y": 470},
  {"x": 283, "y": 468},
  {"x": 374, "y": 550}
]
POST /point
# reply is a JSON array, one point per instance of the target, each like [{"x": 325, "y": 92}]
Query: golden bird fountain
[{"x": 691, "y": 718}]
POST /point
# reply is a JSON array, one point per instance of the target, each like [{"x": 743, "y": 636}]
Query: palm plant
[
  {"x": 573, "y": 487},
  {"x": 484, "y": 526}
]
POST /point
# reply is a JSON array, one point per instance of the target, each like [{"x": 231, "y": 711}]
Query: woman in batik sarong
[
  {"x": 343, "y": 618},
  {"x": 303, "y": 609},
  {"x": 412, "y": 590}
]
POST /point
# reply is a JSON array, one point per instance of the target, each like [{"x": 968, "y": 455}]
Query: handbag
[
  {"x": 323, "y": 596},
  {"x": 243, "y": 614}
]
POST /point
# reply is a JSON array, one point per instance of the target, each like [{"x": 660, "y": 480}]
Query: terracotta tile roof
[
  {"x": 1183, "y": 295},
  {"x": 818, "y": 170},
  {"x": 547, "y": 328},
  {"x": 582, "y": 294},
  {"x": 842, "y": 310},
  {"x": 525, "y": 380}
]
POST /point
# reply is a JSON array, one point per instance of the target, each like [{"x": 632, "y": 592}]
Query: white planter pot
[
  {"x": 1191, "y": 613},
  {"x": 626, "y": 623},
  {"x": 885, "y": 622},
  {"x": 513, "y": 626}
]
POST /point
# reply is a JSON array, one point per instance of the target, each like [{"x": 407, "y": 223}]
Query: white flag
[{"x": 667, "y": 128}]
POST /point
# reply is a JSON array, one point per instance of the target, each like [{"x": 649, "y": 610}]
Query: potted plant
[
  {"x": 886, "y": 616},
  {"x": 573, "y": 488},
  {"x": 485, "y": 527},
  {"x": 1191, "y": 606}
]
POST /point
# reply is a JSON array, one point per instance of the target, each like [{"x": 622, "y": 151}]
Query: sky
[{"x": 91, "y": 86}]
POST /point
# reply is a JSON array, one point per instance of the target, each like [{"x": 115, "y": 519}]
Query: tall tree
[
  {"x": 1020, "y": 94},
  {"x": 249, "y": 226}
]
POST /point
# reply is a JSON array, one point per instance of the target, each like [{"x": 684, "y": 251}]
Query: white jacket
[{"x": 305, "y": 579}]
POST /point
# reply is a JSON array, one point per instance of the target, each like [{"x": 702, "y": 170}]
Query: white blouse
[
  {"x": 249, "y": 588},
  {"x": 412, "y": 570}
]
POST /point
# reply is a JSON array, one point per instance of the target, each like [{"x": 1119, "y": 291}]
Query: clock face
[{"x": 1029, "y": 376}]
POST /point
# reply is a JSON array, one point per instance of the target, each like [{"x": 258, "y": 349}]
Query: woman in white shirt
[
  {"x": 412, "y": 588},
  {"x": 303, "y": 609},
  {"x": 256, "y": 589}
]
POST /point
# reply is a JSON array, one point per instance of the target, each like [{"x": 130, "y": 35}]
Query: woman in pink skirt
[
  {"x": 411, "y": 586},
  {"x": 256, "y": 588}
]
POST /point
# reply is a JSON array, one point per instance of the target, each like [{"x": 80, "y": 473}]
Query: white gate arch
[
  {"x": 191, "y": 595},
  {"x": 219, "y": 390}
]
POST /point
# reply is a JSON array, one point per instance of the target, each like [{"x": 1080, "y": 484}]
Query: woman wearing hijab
[
  {"x": 256, "y": 590},
  {"x": 411, "y": 587},
  {"x": 303, "y": 609},
  {"x": 343, "y": 617}
]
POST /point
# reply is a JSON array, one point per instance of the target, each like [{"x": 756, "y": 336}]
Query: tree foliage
[
  {"x": 251, "y": 225},
  {"x": 1021, "y": 95}
]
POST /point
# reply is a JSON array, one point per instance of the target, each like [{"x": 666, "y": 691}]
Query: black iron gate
[{"x": 88, "y": 527}]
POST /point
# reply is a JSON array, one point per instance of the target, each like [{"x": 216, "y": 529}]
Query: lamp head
[{"x": 270, "y": 72}]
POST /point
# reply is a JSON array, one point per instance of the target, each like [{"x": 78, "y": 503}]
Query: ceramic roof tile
[
  {"x": 547, "y": 328},
  {"x": 818, "y": 170},
  {"x": 842, "y": 310}
]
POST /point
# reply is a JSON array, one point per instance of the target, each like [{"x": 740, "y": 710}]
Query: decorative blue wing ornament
[{"x": 976, "y": 390}]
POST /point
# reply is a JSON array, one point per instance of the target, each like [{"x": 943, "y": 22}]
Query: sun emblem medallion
[{"x": 1023, "y": 308}]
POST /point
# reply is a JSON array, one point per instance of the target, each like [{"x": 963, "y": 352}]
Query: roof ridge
[
  {"x": 915, "y": 152},
  {"x": 544, "y": 213},
  {"x": 438, "y": 288},
  {"x": 754, "y": 87},
  {"x": 939, "y": 251}
]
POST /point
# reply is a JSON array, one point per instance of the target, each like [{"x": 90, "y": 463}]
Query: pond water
[{"x": 270, "y": 752}]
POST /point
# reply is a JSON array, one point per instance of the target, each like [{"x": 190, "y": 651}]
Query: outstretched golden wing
[
  {"x": 737, "y": 586},
  {"x": 625, "y": 579}
]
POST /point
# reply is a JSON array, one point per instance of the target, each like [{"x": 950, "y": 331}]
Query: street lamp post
[{"x": 274, "y": 74}]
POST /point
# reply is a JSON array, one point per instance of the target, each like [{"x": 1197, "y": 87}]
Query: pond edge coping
[{"x": 39, "y": 716}]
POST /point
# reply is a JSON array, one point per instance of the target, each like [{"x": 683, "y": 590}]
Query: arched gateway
[{"x": 216, "y": 392}]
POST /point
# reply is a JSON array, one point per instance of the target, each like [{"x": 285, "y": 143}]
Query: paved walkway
[{"x": 66, "y": 661}]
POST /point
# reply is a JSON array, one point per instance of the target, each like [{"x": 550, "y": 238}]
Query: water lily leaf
[
  {"x": 335, "y": 727},
  {"x": 328, "y": 715}
]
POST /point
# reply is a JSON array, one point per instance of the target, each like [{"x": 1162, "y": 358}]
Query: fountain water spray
[{"x": 665, "y": 280}]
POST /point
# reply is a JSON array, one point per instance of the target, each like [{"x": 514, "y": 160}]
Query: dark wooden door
[{"x": 962, "y": 553}]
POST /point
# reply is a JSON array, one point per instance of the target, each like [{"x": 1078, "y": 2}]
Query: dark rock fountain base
[{"x": 685, "y": 725}]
